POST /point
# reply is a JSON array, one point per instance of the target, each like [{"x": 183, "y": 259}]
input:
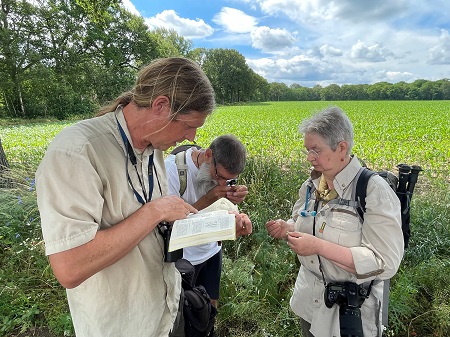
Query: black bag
[
  {"x": 403, "y": 186},
  {"x": 199, "y": 314}
]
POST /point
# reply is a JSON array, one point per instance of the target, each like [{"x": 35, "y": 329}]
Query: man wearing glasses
[{"x": 211, "y": 174}]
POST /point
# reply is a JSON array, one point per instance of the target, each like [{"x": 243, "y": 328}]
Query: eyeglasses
[
  {"x": 313, "y": 153},
  {"x": 217, "y": 175}
]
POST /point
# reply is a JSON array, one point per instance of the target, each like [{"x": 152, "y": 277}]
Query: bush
[{"x": 30, "y": 295}]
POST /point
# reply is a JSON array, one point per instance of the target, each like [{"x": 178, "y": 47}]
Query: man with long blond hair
[{"x": 102, "y": 195}]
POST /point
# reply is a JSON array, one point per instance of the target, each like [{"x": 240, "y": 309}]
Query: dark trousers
[{"x": 305, "y": 328}]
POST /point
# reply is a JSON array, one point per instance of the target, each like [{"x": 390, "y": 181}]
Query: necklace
[{"x": 198, "y": 165}]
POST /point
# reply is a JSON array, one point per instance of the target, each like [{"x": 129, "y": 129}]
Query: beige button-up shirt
[
  {"x": 376, "y": 246},
  {"x": 82, "y": 188}
]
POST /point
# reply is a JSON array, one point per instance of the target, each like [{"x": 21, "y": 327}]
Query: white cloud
[
  {"x": 271, "y": 40},
  {"x": 235, "y": 21},
  {"x": 317, "y": 11},
  {"x": 374, "y": 53},
  {"x": 323, "y": 42},
  {"x": 327, "y": 50},
  {"x": 394, "y": 76},
  {"x": 364, "y": 11},
  {"x": 297, "y": 69},
  {"x": 187, "y": 28},
  {"x": 130, "y": 7},
  {"x": 440, "y": 54}
]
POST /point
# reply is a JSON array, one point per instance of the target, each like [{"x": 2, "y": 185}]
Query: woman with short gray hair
[{"x": 341, "y": 255}]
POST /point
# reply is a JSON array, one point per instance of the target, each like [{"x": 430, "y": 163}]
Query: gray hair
[
  {"x": 229, "y": 152},
  {"x": 333, "y": 125}
]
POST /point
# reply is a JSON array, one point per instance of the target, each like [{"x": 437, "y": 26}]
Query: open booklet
[{"x": 213, "y": 223}]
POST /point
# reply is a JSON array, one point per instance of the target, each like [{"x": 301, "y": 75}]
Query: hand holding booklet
[{"x": 213, "y": 223}]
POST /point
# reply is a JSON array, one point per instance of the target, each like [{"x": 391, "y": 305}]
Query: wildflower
[
  {"x": 32, "y": 185},
  {"x": 17, "y": 235},
  {"x": 19, "y": 200}
]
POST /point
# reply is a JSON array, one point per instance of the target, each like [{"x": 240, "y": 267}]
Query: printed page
[{"x": 211, "y": 224}]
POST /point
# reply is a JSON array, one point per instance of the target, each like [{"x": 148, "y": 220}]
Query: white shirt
[{"x": 200, "y": 253}]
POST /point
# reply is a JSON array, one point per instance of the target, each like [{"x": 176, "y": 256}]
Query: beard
[{"x": 204, "y": 181}]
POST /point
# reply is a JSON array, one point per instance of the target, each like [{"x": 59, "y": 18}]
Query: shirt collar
[{"x": 343, "y": 179}]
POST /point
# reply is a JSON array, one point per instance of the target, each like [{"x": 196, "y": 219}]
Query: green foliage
[
  {"x": 30, "y": 295},
  {"x": 229, "y": 74},
  {"x": 25, "y": 145},
  {"x": 258, "y": 272}
]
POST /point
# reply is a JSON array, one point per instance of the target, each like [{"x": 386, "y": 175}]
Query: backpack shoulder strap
[
  {"x": 359, "y": 191},
  {"x": 184, "y": 147},
  {"x": 180, "y": 161}
]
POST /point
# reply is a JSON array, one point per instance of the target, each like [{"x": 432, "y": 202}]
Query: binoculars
[{"x": 165, "y": 229}]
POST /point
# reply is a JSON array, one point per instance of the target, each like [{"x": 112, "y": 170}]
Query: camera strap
[
  {"x": 316, "y": 206},
  {"x": 147, "y": 195}
]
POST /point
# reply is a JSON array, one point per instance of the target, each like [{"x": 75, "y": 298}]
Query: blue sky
[{"x": 313, "y": 42}]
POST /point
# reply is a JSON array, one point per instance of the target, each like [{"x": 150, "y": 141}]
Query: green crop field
[
  {"x": 386, "y": 132},
  {"x": 258, "y": 272}
]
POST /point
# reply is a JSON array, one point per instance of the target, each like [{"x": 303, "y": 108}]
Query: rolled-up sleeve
[{"x": 69, "y": 200}]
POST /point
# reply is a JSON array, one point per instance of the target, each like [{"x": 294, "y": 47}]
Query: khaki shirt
[
  {"x": 82, "y": 187},
  {"x": 376, "y": 246}
]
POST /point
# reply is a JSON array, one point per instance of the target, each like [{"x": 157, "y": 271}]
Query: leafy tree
[
  {"x": 198, "y": 55},
  {"x": 229, "y": 74},
  {"x": 260, "y": 88},
  {"x": 331, "y": 93},
  {"x": 430, "y": 91},
  {"x": 278, "y": 91},
  {"x": 21, "y": 47},
  {"x": 379, "y": 91},
  {"x": 171, "y": 43},
  {"x": 97, "y": 10},
  {"x": 444, "y": 87}
]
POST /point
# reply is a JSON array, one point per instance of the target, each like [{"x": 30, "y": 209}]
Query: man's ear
[
  {"x": 160, "y": 103},
  {"x": 208, "y": 154}
]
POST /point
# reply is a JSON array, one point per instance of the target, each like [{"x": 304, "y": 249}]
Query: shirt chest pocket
[{"x": 343, "y": 227}]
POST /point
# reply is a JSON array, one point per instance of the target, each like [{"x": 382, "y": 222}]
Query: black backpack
[
  {"x": 199, "y": 314},
  {"x": 403, "y": 186}
]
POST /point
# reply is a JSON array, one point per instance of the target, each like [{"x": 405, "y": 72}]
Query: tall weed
[{"x": 30, "y": 295}]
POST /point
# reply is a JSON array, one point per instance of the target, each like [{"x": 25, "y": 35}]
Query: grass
[{"x": 258, "y": 272}]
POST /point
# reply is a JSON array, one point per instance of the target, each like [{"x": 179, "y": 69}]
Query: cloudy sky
[{"x": 313, "y": 42}]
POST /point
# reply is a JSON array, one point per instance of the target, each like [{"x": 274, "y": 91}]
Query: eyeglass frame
[
  {"x": 313, "y": 152},
  {"x": 218, "y": 176}
]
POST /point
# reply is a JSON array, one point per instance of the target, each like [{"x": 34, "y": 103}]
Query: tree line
[{"x": 68, "y": 57}]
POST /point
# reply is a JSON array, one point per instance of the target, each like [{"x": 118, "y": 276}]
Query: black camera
[
  {"x": 231, "y": 182},
  {"x": 349, "y": 296},
  {"x": 165, "y": 229}
]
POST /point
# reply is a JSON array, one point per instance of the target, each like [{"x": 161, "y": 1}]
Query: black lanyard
[{"x": 130, "y": 154}]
